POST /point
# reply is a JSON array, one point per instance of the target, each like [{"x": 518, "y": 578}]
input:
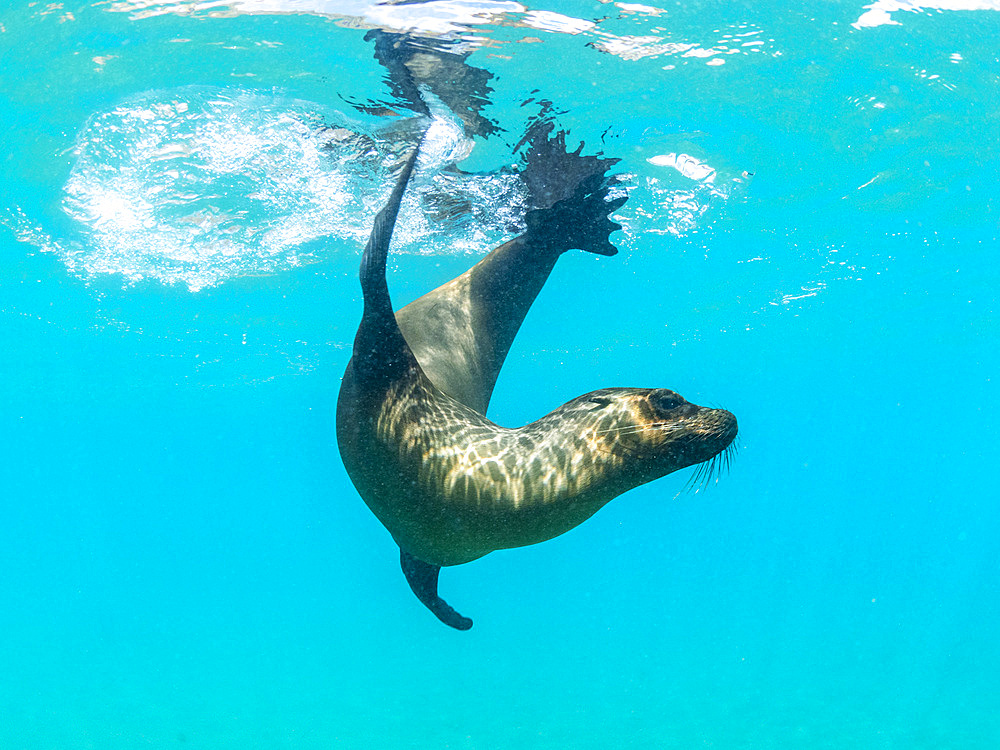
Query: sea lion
[{"x": 450, "y": 485}]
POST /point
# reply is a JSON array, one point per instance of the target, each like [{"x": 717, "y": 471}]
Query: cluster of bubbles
[{"x": 196, "y": 186}]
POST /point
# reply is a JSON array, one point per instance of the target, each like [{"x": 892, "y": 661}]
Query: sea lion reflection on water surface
[{"x": 449, "y": 484}]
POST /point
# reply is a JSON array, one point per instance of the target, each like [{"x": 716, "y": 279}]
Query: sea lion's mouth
[
  {"x": 717, "y": 429},
  {"x": 721, "y": 432}
]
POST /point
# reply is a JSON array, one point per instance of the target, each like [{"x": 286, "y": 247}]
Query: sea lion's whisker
[
  {"x": 633, "y": 429},
  {"x": 711, "y": 471}
]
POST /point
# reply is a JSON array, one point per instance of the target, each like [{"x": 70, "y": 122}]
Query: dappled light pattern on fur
[{"x": 609, "y": 436}]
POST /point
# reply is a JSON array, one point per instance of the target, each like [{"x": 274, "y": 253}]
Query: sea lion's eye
[
  {"x": 665, "y": 400},
  {"x": 599, "y": 400}
]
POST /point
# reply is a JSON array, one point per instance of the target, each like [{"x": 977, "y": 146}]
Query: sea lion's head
[{"x": 652, "y": 432}]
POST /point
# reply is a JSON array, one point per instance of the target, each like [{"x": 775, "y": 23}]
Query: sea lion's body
[
  {"x": 452, "y": 486},
  {"x": 449, "y": 484}
]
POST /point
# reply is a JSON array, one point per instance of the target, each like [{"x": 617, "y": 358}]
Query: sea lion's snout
[
  {"x": 684, "y": 432},
  {"x": 730, "y": 427},
  {"x": 721, "y": 430}
]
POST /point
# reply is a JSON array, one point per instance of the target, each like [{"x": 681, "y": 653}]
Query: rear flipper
[
  {"x": 580, "y": 221},
  {"x": 423, "y": 580},
  {"x": 568, "y": 204}
]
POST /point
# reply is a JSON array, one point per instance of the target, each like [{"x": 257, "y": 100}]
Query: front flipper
[
  {"x": 423, "y": 580},
  {"x": 461, "y": 332}
]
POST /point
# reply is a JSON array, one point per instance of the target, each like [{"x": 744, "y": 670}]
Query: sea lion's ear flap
[
  {"x": 380, "y": 351},
  {"x": 423, "y": 580}
]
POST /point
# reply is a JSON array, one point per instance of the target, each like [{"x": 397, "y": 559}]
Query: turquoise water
[{"x": 810, "y": 241}]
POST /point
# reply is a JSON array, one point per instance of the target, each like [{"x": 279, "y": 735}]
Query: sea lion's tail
[
  {"x": 423, "y": 580},
  {"x": 568, "y": 205}
]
